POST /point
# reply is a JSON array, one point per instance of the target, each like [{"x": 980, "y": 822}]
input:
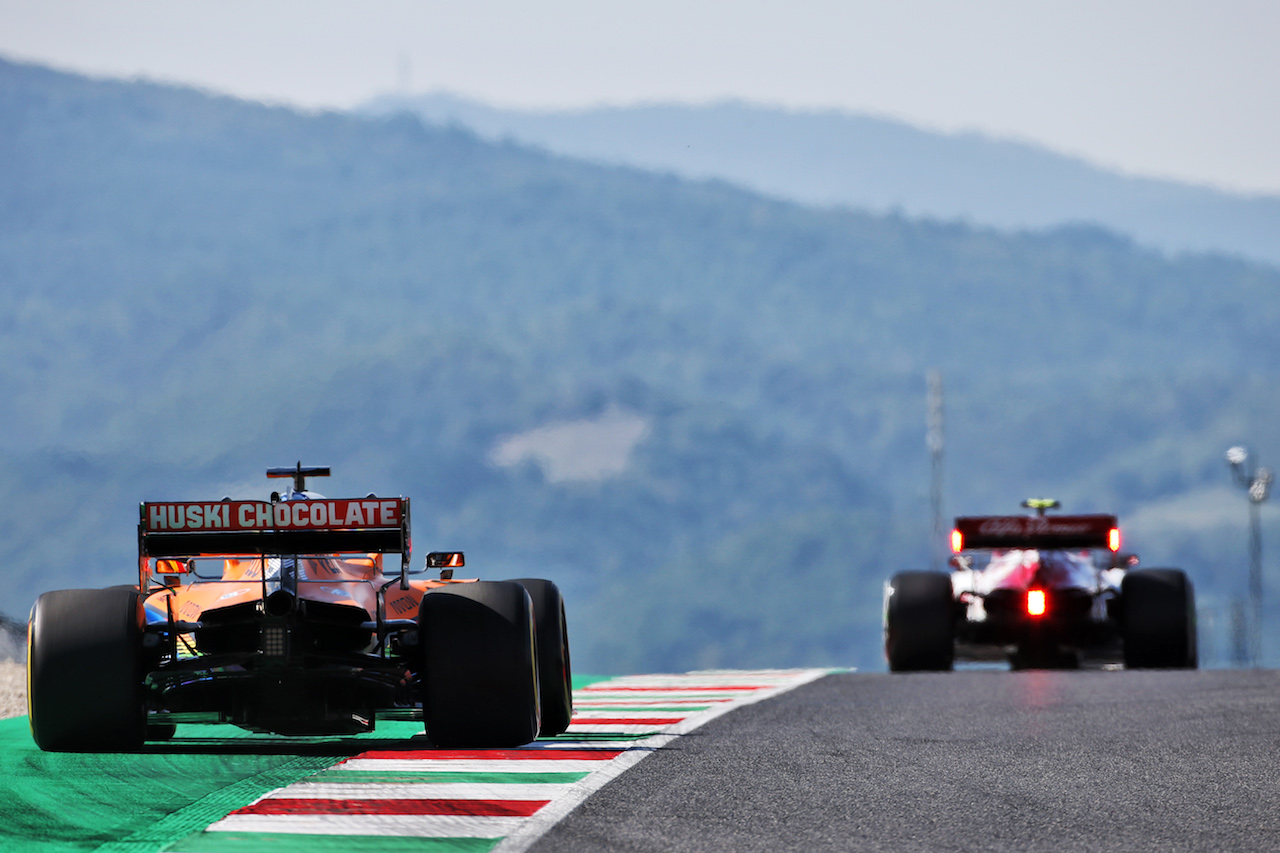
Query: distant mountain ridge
[{"x": 878, "y": 164}]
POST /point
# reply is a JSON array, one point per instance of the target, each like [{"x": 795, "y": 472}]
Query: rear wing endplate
[{"x": 1039, "y": 531}]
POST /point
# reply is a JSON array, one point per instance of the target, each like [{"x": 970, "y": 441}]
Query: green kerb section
[
  {"x": 142, "y": 802},
  {"x": 250, "y": 842},
  {"x": 214, "y": 806},
  {"x": 161, "y": 798}
]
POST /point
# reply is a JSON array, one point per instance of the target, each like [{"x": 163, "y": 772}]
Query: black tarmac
[{"x": 977, "y": 760}]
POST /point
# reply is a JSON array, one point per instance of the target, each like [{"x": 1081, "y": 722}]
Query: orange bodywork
[
  {"x": 351, "y": 581},
  {"x": 277, "y": 616}
]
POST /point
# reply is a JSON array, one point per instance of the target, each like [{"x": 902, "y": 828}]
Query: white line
[
  {"x": 708, "y": 679},
  {"x": 418, "y": 826},
  {"x": 639, "y": 702},
  {"x": 589, "y": 727},
  {"x": 682, "y": 695},
  {"x": 613, "y": 714},
  {"x": 469, "y": 765},
  {"x": 421, "y": 790}
]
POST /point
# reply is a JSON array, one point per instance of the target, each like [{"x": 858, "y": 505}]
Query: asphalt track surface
[{"x": 978, "y": 760}]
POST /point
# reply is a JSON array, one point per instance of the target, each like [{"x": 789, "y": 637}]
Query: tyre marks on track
[{"x": 426, "y": 800}]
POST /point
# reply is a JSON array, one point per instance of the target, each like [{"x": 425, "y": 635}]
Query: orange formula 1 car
[{"x": 276, "y": 616}]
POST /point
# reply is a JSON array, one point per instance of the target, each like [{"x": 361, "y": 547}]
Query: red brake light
[
  {"x": 1113, "y": 539},
  {"x": 957, "y": 541},
  {"x": 1036, "y": 602}
]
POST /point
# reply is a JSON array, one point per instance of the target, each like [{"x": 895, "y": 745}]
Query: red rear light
[
  {"x": 957, "y": 541},
  {"x": 1037, "y": 603},
  {"x": 1113, "y": 539}
]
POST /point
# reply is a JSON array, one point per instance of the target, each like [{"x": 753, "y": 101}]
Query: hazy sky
[{"x": 1173, "y": 88}]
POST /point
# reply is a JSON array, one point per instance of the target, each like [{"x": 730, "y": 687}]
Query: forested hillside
[{"x": 699, "y": 409}]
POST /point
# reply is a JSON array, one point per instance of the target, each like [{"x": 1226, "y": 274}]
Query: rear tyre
[
  {"x": 161, "y": 731},
  {"x": 555, "y": 678},
  {"x": 478, "y": 670},
  {"x": 919, "y": 623},
  {"x": 1159, "y": 620},
  {"x": 84, "y": 671}
]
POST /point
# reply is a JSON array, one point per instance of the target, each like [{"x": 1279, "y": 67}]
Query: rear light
[
  {"x": 273, "y": 641},
  {"x": 1037, "y": 604},
  {"x": 957, "y": 541},
  {"x": 172, "y": 567},
  {"x": 1113, "y": 539}
]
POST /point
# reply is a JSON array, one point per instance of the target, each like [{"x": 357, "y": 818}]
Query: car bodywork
[
  {"x": 1043, "y": 591},
  {"x": 276, "y": 641},
  {"x": 276, "y": 616},
  {"x": 1044, "y": 596}
]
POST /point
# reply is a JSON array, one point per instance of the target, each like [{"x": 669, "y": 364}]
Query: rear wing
[
  {"x": 1039, "y": 531},
  {"x": 259, "y": 528}
]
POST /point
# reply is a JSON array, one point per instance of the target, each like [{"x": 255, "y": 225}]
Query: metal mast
[
  {"x": 935, "y": 442},
  {"x": 1257, "y": 483}
]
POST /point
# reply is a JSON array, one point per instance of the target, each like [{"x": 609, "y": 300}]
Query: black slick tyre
[
  {"x": 84, "y": 672},
  {"x": 555, "y": 677},
  {"x": 919, "y": 624},
  {"x": 1159, "y": 620},
  {"x": 478, "y": 669},
  {"x": 161, "y": 731}
]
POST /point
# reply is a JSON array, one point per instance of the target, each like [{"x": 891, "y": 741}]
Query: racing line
[{"x": 386, "y": 800}]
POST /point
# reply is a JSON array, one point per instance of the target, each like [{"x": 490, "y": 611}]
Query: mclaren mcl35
[{"x": 277, "y": 616}]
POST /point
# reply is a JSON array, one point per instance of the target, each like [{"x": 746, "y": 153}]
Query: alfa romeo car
[
  {"x": 1040, "y": 591},
  {"x": 279, "y": 616}
]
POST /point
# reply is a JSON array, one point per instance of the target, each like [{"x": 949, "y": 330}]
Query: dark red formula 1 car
[
  {"x": 1040, "y": 591},
  {"x": 276, "y": 616}
]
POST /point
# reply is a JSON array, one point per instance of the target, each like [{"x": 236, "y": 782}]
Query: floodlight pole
[
  {"x": 1255, "y": 579},
  {"x": 1257, "y": 483}
]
